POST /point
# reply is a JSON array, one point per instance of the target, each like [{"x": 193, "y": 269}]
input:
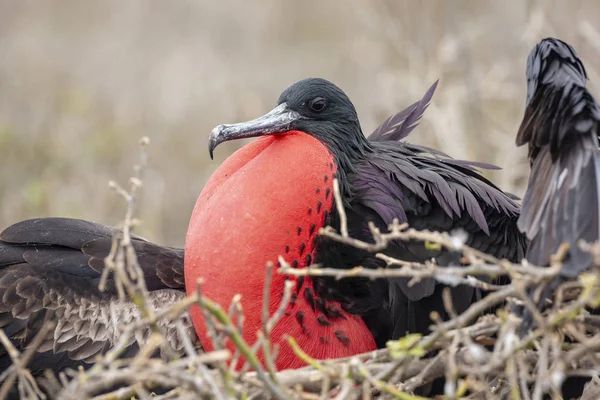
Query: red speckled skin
[{"x": 259, "y": 204}]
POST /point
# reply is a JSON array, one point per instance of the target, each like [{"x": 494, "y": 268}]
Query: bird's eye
[{"x": 317, "y": 104}]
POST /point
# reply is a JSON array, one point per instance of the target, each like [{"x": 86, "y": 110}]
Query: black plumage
[
  {"x": 50, "y": 269},
  {"x": 560, "y": 127},
  {"x": 383, "y": 177}
]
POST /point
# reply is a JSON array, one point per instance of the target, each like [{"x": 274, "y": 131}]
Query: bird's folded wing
[
  {"x": 433, "y": 192},
  {"x": 560, "y": 127},
  {"x": 46, "y": 276}
]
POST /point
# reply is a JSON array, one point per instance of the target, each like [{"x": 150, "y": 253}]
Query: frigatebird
[
  {"x": 272, "y": 196},
  {"x": 268, "y": 199},
  {"x": 560, "y": 127}
]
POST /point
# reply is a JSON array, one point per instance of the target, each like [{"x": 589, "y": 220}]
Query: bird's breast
[{"x": 268, "y": 199}]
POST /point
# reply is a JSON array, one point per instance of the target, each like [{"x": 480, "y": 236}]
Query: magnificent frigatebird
[
  {"x": 272, "y": 196},
  {"x": 560, "y": 126},
  {"x": 268, "y": 199}
]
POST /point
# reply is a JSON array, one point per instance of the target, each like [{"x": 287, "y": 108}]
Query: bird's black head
[
  {"x": 314, "y": 106},
  {"x": 553, "y": 62},
  {"x": 318, "y": 100}
]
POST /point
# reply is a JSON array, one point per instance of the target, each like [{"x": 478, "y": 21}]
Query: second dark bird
[{"x": 560, "y": 127}]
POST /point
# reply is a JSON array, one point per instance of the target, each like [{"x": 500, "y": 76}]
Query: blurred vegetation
[{"x": 80, "y": 82}]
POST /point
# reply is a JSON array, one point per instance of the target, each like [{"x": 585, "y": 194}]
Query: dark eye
[{"x": 317, "y": 104}]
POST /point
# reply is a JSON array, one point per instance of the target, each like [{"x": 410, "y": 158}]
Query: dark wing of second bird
[
  {"x": 560, "y": 126},
  {"x": 429, "y": 190},
  {"x": 50, "y": 269}
]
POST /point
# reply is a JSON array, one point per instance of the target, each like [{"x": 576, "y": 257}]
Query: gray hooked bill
[{"x": 278, "y": 120}]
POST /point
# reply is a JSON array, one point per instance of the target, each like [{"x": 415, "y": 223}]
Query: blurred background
[{"x": 81, "y": 82}]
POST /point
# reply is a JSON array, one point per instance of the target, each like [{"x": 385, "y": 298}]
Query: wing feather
[
  {"x": 560, "y": 126},
  {"x": 49, "y": 271},
  {"x": 400, "y": 125}
]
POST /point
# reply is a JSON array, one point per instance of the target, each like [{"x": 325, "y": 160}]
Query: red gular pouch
[{"x": 269, "y": 199}]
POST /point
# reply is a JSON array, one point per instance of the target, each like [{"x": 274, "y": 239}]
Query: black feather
[{"x": 400, "y": 125}]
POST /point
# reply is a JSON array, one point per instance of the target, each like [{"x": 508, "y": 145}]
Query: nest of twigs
[{"x": 479, "y": 356}]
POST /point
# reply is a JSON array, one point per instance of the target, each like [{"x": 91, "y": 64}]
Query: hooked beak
[{"x": 278, "y": 120}]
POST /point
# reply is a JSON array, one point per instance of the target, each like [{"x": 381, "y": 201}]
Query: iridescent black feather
[{"x": 400, "y": 125}]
